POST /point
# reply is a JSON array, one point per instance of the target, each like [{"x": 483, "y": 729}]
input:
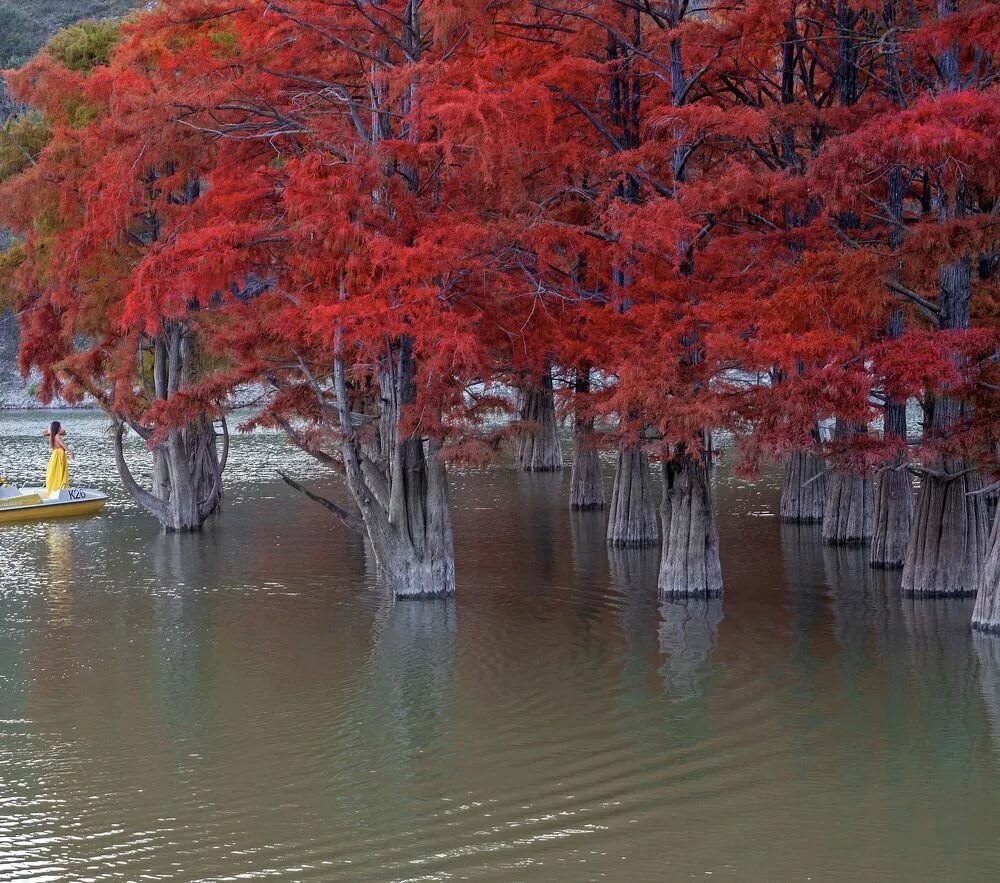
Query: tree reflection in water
[
  {"x": 987, "y": 647},
  {"x": 414, "y": 677},
  {"x": 689, "y": 635}
]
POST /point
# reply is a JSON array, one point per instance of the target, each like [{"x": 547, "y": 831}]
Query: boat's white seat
[{"x": 8, "y": 490}]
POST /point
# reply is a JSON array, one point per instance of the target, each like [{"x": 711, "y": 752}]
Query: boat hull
[{"x": 31, "y": 505}]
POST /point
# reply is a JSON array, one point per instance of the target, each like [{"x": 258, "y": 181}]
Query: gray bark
[
  {"x": 848, "y": 519},
  {"x": 893, "y": 518},
  {"x": 633, "y": 520},
  {"x": 689, "y": 562},
  {"x": 587, "y": 484},
  {"x": 415, "y": 547},
  {"x": 948, "y": 538},
  {"x": 187, "y": 476},
  {"x": 403, "y": 494},
  {"x": 538, "y": 447},
  {"x": 187, "y": 463},
  {"x": 586, "y": 490},
  {"x": 986, "y": 615},
  {"x": 803, "y": 491},
  {"x": 894, "y": 491},
  {"x": 848, "y": 515}
]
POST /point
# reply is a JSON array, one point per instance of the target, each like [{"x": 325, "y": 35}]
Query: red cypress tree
[{"x": 114, "y": 184}]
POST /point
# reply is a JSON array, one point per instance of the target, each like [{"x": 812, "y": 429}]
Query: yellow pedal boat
[{"x": 32, "y": 504}]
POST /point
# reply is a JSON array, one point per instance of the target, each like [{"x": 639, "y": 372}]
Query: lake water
[{"x": 249, "y": 704}]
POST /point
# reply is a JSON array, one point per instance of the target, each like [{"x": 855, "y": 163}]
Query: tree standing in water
[
  {"x": 93, "y": 322},
  {"x": 385, "y": 212}
]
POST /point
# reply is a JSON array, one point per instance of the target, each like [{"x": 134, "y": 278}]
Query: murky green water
[{"x": 248, "y": 704}]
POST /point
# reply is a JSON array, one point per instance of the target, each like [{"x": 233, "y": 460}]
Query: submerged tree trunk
[
  {"x": 187, "y": 476},
  {"x": 187, "y": 463},
  {"x": 803, "y": 492},
  {"x": 403, "y": 499},
  {"x": 848, "y": 519},
  {"x": 848, "y": 515},
  {"x": 587, "y": 485},
  {"x": 986, "y": 615},
  {"x": 948, "y": 538},
  {"x": 398, "y": 480},
  {"x": 633, "y": 520},
  {"x": 538, "y": 437},
  {"x": 413, "y": 545},
  {"x": 392, "y": 464},
  {"x": 893, "y": 518},
  {"x": 893, "y": 498},
  {"x": 586, "y": 489},
  {"x": 894, "y": 493},
  {"x": 689, "y": 562}
]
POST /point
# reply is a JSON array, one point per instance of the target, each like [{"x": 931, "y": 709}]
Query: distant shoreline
[{"x": 12, "y": 409}]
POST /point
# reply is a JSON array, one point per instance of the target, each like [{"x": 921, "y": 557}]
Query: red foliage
[{"x": 692, "y": 203}]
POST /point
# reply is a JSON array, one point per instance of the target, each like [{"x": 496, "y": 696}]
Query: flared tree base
[
  {"x": 587, "y": 484},
  {"x": 948, "y": 539},
  {"x": 689, "y": 564},
  {"x": 803, "y": 491},
  {"x": 848, "y": 517},
  {"x": 893, "y": 519},
  {"x": 633, "y": 520},
  {"x": 986, "y": 614}
]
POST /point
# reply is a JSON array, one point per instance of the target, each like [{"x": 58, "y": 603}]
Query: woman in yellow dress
[{"x": 57, "y": 475}]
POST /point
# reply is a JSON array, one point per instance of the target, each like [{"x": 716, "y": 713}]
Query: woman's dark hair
[{"x": 54, "y": 429}]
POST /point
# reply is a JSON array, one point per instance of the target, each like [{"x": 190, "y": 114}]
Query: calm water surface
[{"x": 248, "y": 704}]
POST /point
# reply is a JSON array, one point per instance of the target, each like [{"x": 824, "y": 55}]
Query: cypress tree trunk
[
  {"x": 848, "y": 519},
  {"x": 538, "y": 439},
  {"x": 187, "y": 465},
  {"x": 633, "y": 520},
  {"x": 803, "y": 491},
  {"x": 947, "y": 542},
  {"x": 404, "y": 498},
  {"x": 894, "y": 489},
  {"x": 689, "y": 562},
  {"x": 893, "y": 518},
  {"x": 948, "y": 538},
  {"x": 893, "y": 498},
  {"x": 413, "y": 544},
  {"x": 397, "y": 478},
  {"x": 986, "y": 615},
  {"x": 848, "y": 516},
  {"x": 187, "y": 476},
  {"x": 587, "y": 484},
  {"x": 894, "y": 493}
]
